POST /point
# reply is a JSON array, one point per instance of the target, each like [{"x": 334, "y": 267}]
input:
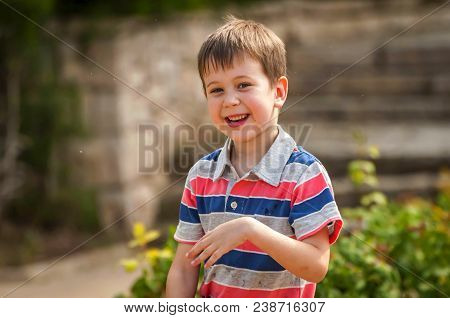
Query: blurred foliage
[
  {"x": 49, "y": 107},
  {"x": 159, "y": 8},
  {"x": 154, "y": 263},
  {"x": 49, "y": 117},
  {"x": 396, "y": 250},
  {"x": 48, "y": 198}
]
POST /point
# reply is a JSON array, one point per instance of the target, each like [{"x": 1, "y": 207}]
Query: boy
[{"x": 260, "y": 212}]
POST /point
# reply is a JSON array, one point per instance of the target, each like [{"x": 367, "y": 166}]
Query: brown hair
[{"x": 237, "y": 38}]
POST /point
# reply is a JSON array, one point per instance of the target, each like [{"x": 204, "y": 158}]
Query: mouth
[{"x": 236, "y": 120}]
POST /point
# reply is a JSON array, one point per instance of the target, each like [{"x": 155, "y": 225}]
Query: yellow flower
[
  {"x": 374, "y": 152},
  {"x": 138, "y": 230},
  {"x": 129, "y": 264},
  {"x": 141, "y": 236},
  {"x": 151, "y": 255}
]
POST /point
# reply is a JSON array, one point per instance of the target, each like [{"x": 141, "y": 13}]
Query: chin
[{"x": 240, "y": 136}]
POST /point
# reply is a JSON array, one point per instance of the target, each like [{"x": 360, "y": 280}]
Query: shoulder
[
  {"x": 303, "y": 165},
  {"x": 301, "y": 156},
  {"x": 205, "y": 165}
]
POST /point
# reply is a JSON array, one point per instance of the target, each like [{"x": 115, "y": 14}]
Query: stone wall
[{"x": 397, "y": 96}]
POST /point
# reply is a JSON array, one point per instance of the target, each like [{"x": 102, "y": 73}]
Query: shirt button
[{"x": 234, "y": 205}]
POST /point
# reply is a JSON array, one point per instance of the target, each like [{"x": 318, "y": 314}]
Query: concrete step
[
  {"x": 407, "y": 140},
  {"x": 426, "y": 48},
  {"x": 366, "y": 108},
  {"x": 381, "y": 84},
  {"x": 395, "y": 187},
  {"x": 398, "y": 166}
]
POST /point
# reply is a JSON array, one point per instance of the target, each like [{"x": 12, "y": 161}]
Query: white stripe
[
  {"x": 262, "y": 289},
  {"x": 210, "y": 195},
  {"x": 257, "y": 197},
  {"x": 326, "y": 206},
  {"x": 176, "y": 237},
  {"x": 247, "y": 251},
  {"x": 254, "y": 215},
  {"x": 189, "y": 223},
  {"x": 190, "y": 207},
  {"x": 250, "y": 270},
  {"x": 240, "y": 196},
  {"x": 333, "y": 219}
]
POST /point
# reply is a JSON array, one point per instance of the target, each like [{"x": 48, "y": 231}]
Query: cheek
[
  {"x": 260, "y": 110},
  {"x": 214, "y": 110}
]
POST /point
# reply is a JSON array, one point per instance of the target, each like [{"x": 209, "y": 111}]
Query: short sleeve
[
  {"x": 189, "y": 229},
  {"x": 313, "y": 205}
]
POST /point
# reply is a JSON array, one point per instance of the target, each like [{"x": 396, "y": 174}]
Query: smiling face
[{"x": 242, "y": 102}]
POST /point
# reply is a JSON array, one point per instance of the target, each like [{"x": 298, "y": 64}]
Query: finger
[
  {"x": 214, "y": 257},
  {"x": 204, "y": 255},
  {"x": 199, "y": 246},
  {"x": 196, "y": 249}
]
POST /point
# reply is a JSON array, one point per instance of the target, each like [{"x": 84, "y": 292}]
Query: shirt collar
[{"x": 272, "y": 163}]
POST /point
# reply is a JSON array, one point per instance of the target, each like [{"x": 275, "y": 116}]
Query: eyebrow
[{"x": 239, "y": 76}]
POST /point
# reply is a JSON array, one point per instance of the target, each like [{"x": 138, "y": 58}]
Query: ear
[{"x": 281, "y": 91}]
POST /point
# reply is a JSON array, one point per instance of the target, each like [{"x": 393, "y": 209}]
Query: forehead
[{"x": 240, "y": 66}]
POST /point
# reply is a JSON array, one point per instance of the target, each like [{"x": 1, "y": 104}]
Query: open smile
[{"x": 236, "y": 120}]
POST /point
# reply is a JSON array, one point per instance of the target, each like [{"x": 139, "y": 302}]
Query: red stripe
[
  {"x": 188, "y": 199},
  {"x": 248, "y": 246},
  {"x": 308, "y": 291},
  {"x": 260, "y": 188},
  {"x": 337, "y": 230},
  {"x": 184, "y": 242},
  {"x": 205, "y": 186},
  {"x": 216, "y": 290},
  {"x": 309, "y": 188}
]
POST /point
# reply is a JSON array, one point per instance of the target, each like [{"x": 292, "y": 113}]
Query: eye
[
  {"x": 215, "y": 90},
  {"x": 243, "y": 85}
]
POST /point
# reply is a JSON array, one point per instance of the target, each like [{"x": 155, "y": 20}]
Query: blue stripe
[
  {"x": 312, "y": 205},
  {"x": 259, "y": 206},
  {"x": 302, "y": 156},
  {"x": 245, "y": 206},
  {"x": 213, "y": 155},
  {"x": 248, "y": 260},
  {"x": 207, "y": 205},
  {"x": 188, "y": 214}
]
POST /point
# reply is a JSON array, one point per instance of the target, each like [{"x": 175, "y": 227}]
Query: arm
[
  {"x": 307, "y": 259},
  {"x": 182, "y": 279}
]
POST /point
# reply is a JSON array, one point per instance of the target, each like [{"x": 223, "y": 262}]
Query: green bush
[{"x": 397, "y": 250}]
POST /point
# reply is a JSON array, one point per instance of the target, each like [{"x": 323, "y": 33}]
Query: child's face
[{"x": 243, "y": 89}]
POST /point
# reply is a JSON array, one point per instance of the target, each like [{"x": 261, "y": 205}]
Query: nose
[{"x": 231, "y": 99}]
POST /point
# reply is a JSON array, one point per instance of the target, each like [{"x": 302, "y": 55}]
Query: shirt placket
[{"x": 235, "y": 207}]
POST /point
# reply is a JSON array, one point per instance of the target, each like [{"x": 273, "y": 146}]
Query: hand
[{"x": 221, "y": 240}]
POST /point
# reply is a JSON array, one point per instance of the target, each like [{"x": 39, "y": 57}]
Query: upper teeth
[{"x": 237, "y": 117}]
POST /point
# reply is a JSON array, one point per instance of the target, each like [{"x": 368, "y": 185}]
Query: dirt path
[{"x": 94, "y": 273}]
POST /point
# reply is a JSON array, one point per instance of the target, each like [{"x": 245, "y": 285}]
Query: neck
[{"x": 245, "y": 155}]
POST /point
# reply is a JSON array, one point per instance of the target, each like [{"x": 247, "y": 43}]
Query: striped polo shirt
[{"x": 289, "y": 190}]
